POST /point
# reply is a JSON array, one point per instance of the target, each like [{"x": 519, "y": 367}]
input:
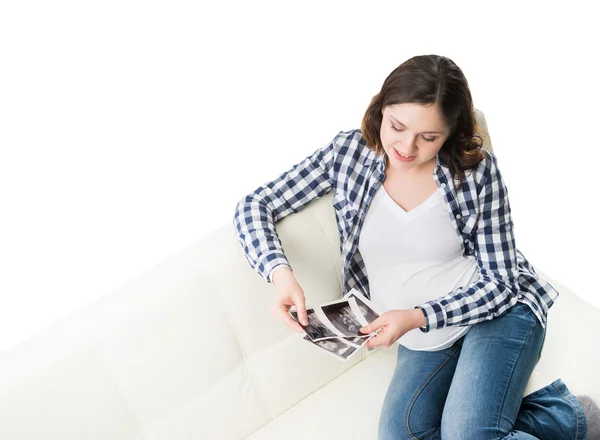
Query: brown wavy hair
[{"x": 431, "y": 79}]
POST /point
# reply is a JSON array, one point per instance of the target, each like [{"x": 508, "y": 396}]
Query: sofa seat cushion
[{"x": 347, "y": 407}]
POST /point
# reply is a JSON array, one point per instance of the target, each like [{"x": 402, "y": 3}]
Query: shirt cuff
[
  {"x": 278, "y": 266},
  {"x": 435, "y": 316}
]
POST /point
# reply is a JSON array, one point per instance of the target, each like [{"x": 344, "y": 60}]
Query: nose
[{"x": 409, "y": 142}]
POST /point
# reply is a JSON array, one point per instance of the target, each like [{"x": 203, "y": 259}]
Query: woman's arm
[
  {"x": 496, "y": 290},
  {"x": 256, "y": 214}
]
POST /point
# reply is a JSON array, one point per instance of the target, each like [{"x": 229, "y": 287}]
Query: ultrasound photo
[
  {"x": 335, "y": 346},
  {"x": 316, "y": 329},
  {"x": 369, "y": 314},
  {"x": 343, "y": 318},
  {"x": 359, "y": 340},
  {"x": 335, "y": 326}
]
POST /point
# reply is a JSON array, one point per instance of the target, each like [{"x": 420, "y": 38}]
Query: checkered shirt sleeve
[
  {"x": 256, "y": 214},
  {"x": 496, "y": 290}
]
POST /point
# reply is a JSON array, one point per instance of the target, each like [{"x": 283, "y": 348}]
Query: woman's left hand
[{"x": 394, "y": 324}]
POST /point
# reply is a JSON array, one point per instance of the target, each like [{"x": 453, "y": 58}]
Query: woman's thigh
[
  {"x": 413, "y": 405},
  {"x": 495, "y": 364}
]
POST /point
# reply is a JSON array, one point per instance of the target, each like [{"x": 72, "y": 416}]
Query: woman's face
[{"x": 415, "y": 130}]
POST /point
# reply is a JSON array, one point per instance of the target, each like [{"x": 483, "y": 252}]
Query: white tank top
[{"x": 411, "y": 258}]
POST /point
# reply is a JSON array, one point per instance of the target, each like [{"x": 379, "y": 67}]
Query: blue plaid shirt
[{"x": 479, "y": 211}]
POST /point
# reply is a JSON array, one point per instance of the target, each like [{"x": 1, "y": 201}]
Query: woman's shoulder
[
  {"x": 485, "y": 171},
  {"x": 352, "y": 137},
  {"x": 352, "y": 145}
]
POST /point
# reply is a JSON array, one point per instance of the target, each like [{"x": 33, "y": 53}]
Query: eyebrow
[{"x": 397, "y": 121}]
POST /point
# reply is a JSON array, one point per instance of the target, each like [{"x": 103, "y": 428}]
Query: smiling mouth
[{"x": 408, "y": 157}]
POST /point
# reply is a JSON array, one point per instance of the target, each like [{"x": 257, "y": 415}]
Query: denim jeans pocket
[{"x": 523, "y": 312}]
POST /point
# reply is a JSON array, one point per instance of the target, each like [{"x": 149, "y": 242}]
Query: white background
[{"x": 129, "y": 130}]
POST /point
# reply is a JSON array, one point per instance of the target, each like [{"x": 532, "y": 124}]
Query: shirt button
[
  {"x": 457, "y": 215},
  {"x": 466, "y": 241},
  {"x": 443, "y": 185}
]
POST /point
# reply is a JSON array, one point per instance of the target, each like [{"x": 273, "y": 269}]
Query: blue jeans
[{"x": 474, "y": 388}]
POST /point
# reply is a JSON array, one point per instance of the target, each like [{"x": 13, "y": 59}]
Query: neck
[{"x": 424, "y": 169}]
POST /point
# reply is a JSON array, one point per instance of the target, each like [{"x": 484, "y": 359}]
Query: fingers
[
  {"x": 373, "y": 325},
  {"x": 301, "y": 309},
  {"x": 375, "y": 341},
  {"x": 282, "y": 314},
  {"x": 371, "y": 344}
]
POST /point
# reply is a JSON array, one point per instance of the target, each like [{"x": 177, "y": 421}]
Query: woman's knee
[
  {"x": 391, "y": 428},
  {"x": 409, "y": 427},
  {"x": 469, "y": 420},
  {"x": 391, "y": 418},
  {"x": 417, "y": 418},
  {"x": 468, "y": 427},
  {"x": 413, "y": 405}
]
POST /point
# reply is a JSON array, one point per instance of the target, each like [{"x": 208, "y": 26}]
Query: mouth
[{"x": 402, "y": 157}]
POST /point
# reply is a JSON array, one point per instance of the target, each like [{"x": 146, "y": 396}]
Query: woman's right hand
[{"x": 288, "y": 293}]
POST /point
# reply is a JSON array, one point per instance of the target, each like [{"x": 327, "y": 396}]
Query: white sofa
[{"x": 189, "y": 350}]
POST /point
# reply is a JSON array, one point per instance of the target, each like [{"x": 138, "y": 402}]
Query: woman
[{"x": 423, "y": 210}]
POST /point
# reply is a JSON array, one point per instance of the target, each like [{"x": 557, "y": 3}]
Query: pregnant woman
[{"x": 426, "y": 233}]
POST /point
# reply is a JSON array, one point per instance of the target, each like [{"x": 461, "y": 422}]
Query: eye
[{"x": 426, "y": 139}]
